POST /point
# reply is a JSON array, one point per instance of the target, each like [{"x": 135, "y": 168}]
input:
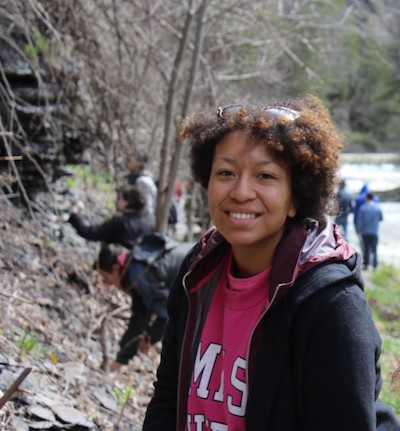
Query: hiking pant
[{"x": 370, "y": 246}]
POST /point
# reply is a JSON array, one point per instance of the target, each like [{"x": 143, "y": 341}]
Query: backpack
[{"x": 151, "y": 268}]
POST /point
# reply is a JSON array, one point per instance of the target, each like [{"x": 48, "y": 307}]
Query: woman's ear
[
  {"x": 108, "y": 277},
  {"x": 116, "y": 277},
  {"x": 292, "y": 211}
]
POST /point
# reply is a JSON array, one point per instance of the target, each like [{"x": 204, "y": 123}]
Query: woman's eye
[
  {"x": 225, "y": 173},
  {"x": 264, "y": 175}
]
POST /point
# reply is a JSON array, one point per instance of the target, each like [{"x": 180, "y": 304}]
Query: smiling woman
[
  {"x": 275, "y": 266},
  {"x": 249, "y": 199},
  {"x": 306, "y": 140}
]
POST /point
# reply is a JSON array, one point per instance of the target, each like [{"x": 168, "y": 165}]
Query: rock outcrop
[{"x": 37, "y": 138}]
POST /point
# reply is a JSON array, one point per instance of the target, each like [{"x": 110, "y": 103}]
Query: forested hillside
[{"x": 91, "y": 80}]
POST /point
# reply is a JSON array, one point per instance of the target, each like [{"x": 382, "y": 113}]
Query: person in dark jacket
[
  {"x": 268, "y": 326},
  {"x": 146, "y": 273},
  {"x": 345, "y": 201},
  {"x": 123, "y": 228}
]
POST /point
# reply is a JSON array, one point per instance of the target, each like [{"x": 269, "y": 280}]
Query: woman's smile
[{"x": 241, "y": 216}]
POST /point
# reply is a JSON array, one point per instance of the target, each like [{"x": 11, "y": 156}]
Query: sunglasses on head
[{"x": 282, "y": 111}]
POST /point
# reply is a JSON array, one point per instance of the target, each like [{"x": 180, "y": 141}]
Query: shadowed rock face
[{"x": 37, "y": 139}]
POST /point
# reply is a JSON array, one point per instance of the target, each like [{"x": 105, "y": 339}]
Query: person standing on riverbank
[
  {"x": 345, "y": 202},
  {"x": 369, "y": 217},
  {"x": 359, "y": 200}
]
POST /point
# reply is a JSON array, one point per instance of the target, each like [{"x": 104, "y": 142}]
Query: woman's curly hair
[{"x": 308, "y": 143}]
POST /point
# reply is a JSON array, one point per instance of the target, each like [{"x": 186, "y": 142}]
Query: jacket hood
[{"x": 326, "y": 245}]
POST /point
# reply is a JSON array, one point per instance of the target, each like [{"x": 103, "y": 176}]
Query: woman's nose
[{"x": 243, "y": 190}]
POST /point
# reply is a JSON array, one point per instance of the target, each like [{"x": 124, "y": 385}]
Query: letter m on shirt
[{"x": 204, "y": 367}]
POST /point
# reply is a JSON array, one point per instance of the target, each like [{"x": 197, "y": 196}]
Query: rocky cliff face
[{"x": 37, "y": 140}]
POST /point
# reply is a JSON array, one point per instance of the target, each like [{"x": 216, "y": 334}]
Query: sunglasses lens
[
  {"x": 282, "y": 111},
  {"x": 228, "y": 110},
  {"x": 278, "y": 111}
]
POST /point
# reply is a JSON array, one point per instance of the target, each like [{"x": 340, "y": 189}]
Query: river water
[{"x": 379, "y": 177}]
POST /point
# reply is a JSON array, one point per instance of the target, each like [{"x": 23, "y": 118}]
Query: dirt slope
[{"x": 57, "y": 319}]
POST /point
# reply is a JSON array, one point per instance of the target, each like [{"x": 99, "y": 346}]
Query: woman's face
[
  {"x": 121, "y": 204},
  {"x": 111, "y": 278},
  {"x": 249, "y": 195}
]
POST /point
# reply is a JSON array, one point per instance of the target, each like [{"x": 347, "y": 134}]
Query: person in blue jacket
[
  {"x": 268, "y": 325},
  {"x": 359, "y": 200}
]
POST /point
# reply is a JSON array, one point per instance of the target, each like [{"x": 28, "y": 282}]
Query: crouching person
[{"x": 146, "y": 273}]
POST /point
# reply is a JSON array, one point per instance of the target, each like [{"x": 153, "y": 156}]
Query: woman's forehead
[{"x": 236, "y": 148}]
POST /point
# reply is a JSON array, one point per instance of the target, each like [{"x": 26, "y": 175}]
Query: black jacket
[
  {"x": 120, "y": 229},
  {"x": 316, "y": 367}
]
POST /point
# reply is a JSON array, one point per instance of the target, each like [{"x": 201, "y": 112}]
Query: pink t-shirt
[{"x": 218, "y": 392}]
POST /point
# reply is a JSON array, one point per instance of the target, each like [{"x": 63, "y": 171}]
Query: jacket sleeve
[
  {"x": 155, "y": 330},
  {"x": 162, "y": 411},
  {"x": 96, "y": 232},
  {"x": 342, "y": 377}
]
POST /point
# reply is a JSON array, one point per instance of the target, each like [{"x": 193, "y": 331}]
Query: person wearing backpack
[{"x": 146, "y": 273}]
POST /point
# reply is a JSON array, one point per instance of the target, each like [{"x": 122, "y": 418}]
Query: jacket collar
[{"x": 302, "y": 247}]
